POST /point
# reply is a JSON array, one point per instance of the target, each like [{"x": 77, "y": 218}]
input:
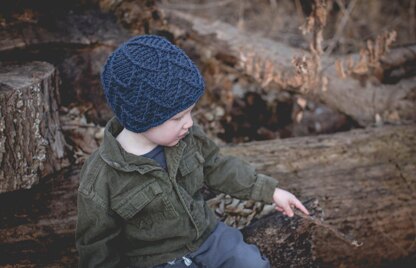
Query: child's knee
[{"x": 248, "y": 256}]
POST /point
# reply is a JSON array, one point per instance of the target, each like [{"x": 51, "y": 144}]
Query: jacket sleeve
[
  {"x": 97, "y": 235},
  {"x": 231, "y": 175}
]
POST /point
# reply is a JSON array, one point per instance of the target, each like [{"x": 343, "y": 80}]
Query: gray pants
[{"x": 223, "y": 248}]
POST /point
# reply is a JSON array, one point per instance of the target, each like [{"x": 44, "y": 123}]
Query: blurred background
[{"x": 274, "y": 70}]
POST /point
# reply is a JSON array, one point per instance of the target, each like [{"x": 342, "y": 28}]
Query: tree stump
[{"x": 31, "y": 141}]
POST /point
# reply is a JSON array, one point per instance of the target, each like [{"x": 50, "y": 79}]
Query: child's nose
[{"x": 189, "y": 122}]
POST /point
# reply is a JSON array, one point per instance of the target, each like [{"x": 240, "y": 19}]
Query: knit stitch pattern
[{"x": 147, "y": 80}]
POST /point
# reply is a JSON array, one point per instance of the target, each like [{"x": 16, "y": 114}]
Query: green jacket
[{"x": 133, "y": 212}]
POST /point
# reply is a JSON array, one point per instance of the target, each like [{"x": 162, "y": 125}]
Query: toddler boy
[{"x": 139, "y": 199}]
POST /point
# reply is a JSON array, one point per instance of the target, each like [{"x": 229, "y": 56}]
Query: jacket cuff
[{"x": 264, "y": 188}]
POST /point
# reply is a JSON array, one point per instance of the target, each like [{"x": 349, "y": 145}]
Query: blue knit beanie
[{"x": 147, "y": 80}]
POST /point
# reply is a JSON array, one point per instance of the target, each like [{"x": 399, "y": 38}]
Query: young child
[{"x": 139, "y": 199}]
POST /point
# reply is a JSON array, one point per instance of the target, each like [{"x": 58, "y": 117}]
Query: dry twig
[
  {"x": 346, "y": 15},
  {"x": 328, "y": 227}
]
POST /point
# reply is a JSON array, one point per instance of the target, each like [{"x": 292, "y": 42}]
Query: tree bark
[
  {"x": 31, "y": 143},
  {"x": 362, "y": 186},
  {"x": 364, "y": 182},
  {"x": 270, "y": 63}
]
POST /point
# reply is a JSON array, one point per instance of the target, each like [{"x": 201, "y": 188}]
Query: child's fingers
[
  {"x": 279, "y": 209},
  {"x": 300, "y": 206},
  {"x": 288, "y": 210}
]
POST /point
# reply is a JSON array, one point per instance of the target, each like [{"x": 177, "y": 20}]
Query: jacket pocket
[
  {"x": 145, "y": 205},
  {"x": 191, "y": 171}
]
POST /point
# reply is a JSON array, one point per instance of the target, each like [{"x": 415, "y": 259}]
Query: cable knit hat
[{"x": 147, "y": 80}]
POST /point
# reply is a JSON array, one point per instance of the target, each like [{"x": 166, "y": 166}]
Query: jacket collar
[{"x": 115, "y": 156}]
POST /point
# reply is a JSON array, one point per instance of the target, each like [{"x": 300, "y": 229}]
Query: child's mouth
[{"x": 183, "y": 135}]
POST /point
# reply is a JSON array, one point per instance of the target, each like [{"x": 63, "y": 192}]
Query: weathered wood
[
  {"x": 286, "y": 242},
  {"x": 270, "y": 63},
  {"x": 398, "y": 57},
  {"x": 31, "y": 141},
  {"x": 363, "y": 182},
  {"x": 80, "y": 26},
  {"x": 72, "y": 29},
  {"x": 37, "y": 225}
]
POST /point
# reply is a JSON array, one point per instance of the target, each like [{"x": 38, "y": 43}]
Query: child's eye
[{"x": 178, "y": 118}]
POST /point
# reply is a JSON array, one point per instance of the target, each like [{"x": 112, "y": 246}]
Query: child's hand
[{"x": 285, "y": 202}]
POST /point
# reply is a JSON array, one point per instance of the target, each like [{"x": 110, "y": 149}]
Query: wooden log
[
  {"x": 285, "y": 242},
  {"x": 270, "y": 63},
  {"x": 362, "y": 186},
  {"x": 72, "y": 29},
  {"x": 78, "y": 26},
  {"x": 397, "y": 57},
  {"x": 37, "y": 226},
  {"x": 365, "y": 183},
  {"x": 31, "y": 141}
]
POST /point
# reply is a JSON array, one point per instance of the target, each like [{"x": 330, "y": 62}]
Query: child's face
[{"x": 171, "y": 131}]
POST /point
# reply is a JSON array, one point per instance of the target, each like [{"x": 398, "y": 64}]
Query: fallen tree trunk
[
  {"x": 363, "y": 183},
  {"x": 77, "y": 24},
  {"x": 31, "y": 141},
  {"x": 270, "y": 63}
]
